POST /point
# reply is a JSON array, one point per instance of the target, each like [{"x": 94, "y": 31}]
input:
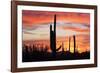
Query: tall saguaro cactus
[
  {"x": 53, "y": 38},
  {"x": 55, "y": 31}
]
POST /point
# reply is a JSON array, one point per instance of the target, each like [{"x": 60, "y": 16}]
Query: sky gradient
[{"x": 36, "y": 27}]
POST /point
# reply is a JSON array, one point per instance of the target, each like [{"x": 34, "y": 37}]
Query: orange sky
[
  {"x": 37, "y": 17},
  {"x": 36, "y": 27}
]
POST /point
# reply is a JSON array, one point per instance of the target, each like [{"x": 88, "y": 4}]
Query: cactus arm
[{"x": 58, "y": 48}]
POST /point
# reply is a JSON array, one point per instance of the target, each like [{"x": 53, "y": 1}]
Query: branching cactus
[{"x": 53, "y": 38}]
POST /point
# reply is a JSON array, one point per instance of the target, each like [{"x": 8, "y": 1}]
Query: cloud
[
  {"x": 75, "y": 25},
  {"x": 62, "y": 29},
  {"x": 28, "y": 32},
  {"x": 30, "y": 17}
]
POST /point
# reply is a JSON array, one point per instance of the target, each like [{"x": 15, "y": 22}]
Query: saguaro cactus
[
  {"x": 74, "y": 43},
  {"x": 55, "y": 31},
  {"x": 53, "y": 38},
  {"x": 62, "y": 47},
  {"x": 69, "y": 43}
]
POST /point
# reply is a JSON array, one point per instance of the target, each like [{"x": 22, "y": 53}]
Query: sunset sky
[{"x": 36, "y": 27}]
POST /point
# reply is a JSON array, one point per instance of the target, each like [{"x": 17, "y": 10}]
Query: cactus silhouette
[
  {"x": 62, "y": 47},
  {"x": 74, "y": 42},
  {"x": 53, "y": 38},
  {"x": 69, "y": 43}
]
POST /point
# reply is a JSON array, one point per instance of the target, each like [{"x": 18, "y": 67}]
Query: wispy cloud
[
  {"x": 30, "y": 17},
  {"x": 37, "y": 23},
  {"x": 66, "y": 26}
]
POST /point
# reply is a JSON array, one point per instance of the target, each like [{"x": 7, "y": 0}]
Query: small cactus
[
  {"x": 74, "y": 39},
  {"x": 69, "y": 43}
]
